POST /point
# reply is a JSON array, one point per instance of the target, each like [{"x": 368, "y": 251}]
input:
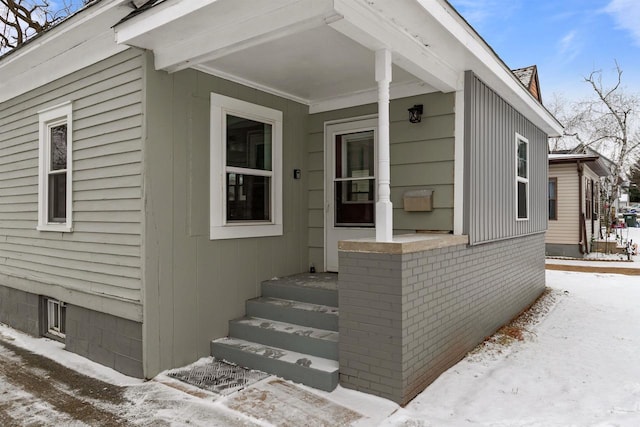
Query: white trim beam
[
  {"x": 229, "y": 28},
  {"x": 458, "y": 172},
  {"x": 374, "y": 31}
]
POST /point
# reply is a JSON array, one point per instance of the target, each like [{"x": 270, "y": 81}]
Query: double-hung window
[
  {"x": 246, "y": 169},
  {"x": 522, "y": 177},
  {"x": 55, "y": 169}
]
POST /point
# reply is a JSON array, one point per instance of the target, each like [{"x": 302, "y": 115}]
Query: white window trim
[
  {"x": 55, "y": 305},
  {"x": 56, "y": 115},
  {"x": 219, "y": 228},
  {"x": 519, "y": 179}
]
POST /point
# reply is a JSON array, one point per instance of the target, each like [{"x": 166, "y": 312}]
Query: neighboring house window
[
  {"x": 55, "y": 169},
  {"x": 55, "y": 316},
  {"x": 246, "y": 169},
  {"x": 553, "y": 198},
  {"x": 522, "y": 177},
  {"x": 596, "y": 200},
  {"x": 588, "y": 198}
]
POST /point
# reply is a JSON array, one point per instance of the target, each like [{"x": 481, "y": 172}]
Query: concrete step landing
[
  {"x": 290, "y": 331},
  {"x": 314, "y": 371}
]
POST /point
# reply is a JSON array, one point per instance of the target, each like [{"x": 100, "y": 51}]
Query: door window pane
[
  {"x": 355, "y": 207},
  {"x": 355, "y": 155},
  {"x": 355, "y": 179}
]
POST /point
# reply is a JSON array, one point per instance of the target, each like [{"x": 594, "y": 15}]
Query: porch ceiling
[
  {"x": 305, "y": 50},
  {"x": 321, "y": 52},
  {"x": 312, "y": 66}
]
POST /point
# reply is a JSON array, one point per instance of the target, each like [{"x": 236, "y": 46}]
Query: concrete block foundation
[{"x": 106, "y": 339}]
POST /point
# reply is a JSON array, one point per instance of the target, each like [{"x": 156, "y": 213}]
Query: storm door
[{"x": 350, "y": 184}]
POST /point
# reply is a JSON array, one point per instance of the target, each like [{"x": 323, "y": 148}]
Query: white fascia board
[
  {"x": 158, "y": 16},
  {"x": 74, "y": 44},
  {"x": 22, "y": 79},
  {"x": 373, "y": 30},
  {"x": 497, "y": 74},
  {"x": 242, "y": 30}
]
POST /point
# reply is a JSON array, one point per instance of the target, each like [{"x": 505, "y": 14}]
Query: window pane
[
  {"x": 58, "y": 197},
  {"x": 248, "y": 143},
  {"x": 355, "y": 155},
  {"x": 522, "y": 159},
  {"x": 248, "y": 197},
  {"x": 522, "y": 200},
  {"x": 552, "y": 209},
  {"x": 59, "y": 147},
  {"x": 552, "y": 189},
  {"x": 355, "y": 202}
]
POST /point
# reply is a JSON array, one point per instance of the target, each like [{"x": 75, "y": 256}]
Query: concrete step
[
  {"x": 289, "y": 311},
  {"x": 304, "y": 339},
  {"x": 320, "y": 288},
  {"x": 313, "y": 371}
]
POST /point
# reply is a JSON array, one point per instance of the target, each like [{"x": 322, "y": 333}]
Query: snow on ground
[{"x": 580, "y": 366}]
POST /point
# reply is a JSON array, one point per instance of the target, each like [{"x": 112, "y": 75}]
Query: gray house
[{"x": 159, "y": 167}]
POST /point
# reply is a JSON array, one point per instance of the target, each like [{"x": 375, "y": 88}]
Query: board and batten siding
[
  {"x": 422, "y": 157},
  {"x": 195, "y": 285},
  {"x": 491, "y": 125},
  {"x": 98, "y": 264}
]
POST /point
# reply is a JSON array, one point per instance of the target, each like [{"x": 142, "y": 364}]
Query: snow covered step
[
  {"x": 320, "y": 288},
  {"x": 316, "y": 342},
  {"x": 313, "y": 371},
  {"x": 301, "y": 313}
]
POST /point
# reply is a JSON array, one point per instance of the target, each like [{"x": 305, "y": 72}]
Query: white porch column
[{"x": 384, "y": 209}]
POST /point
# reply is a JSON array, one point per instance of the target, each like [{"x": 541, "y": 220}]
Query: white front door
[{"x": 350, "y": 184}]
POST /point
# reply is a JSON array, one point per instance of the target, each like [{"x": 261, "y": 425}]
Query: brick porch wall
[{"x": 407, "y": 317}]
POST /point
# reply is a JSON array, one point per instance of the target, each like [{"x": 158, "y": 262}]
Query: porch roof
[
  {"x": 595, "y": 163},
  {"x": 321, "y": 52}
]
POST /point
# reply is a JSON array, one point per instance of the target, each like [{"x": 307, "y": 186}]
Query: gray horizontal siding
[
  {"x": 102, "y": 255},
  {"x": 491, "y": 125}
]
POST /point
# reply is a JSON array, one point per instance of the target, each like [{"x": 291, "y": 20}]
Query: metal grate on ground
[{"x": 218, "y": 376}]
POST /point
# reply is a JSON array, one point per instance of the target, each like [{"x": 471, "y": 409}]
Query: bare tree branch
[
  {"x": 22, "y": 19},
  {"x": 607, "y": 122}
]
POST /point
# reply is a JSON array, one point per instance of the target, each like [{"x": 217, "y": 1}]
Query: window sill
[
  {"x": 244, "y": 231},
  {"x": 60, "y": 228}
]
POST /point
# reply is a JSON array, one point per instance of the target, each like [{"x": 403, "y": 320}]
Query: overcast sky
[{"x": 566, "y": 39}]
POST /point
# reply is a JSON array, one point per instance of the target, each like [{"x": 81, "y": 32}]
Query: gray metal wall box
[{"x": 418, "y": 200}]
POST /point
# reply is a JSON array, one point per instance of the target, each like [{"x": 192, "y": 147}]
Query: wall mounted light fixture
[{"x": 415, "y": 113}]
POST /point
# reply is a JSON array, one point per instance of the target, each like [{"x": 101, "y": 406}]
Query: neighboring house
[
  {"x": 528, "y": 76},
  {"x": 149, "y": 184},
  {"x": 574, "y": 203}
]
